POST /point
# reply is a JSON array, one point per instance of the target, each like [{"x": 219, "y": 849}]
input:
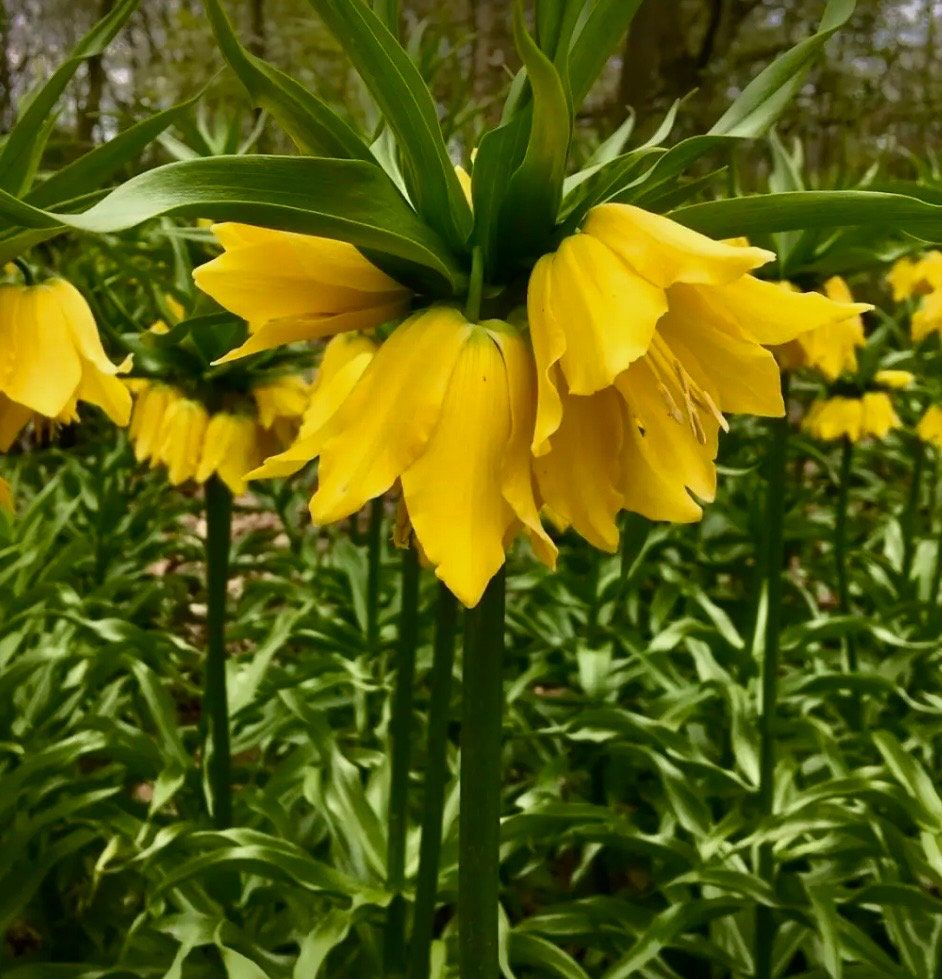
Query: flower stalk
[
  {"x": 908, "y": 520},
  {"x": 774, "y": 559},
  {"x": 217, "y": 760},
  {"x": 479, "y": 815},
  {"x": 374, "y": 551},
  {"x": 436, "y": 778},
  {"x": 400, "y": 730}
]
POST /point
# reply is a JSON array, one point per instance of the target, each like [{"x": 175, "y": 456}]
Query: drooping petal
[
  {"x": 665, "y": 252},
  {"x": 105, "y": 391},
  {"x": 244, "y": 453},
  {"x": 769, "y": 314},
  {"x": 264, "y": 275},
  {"x": 184, "y": 430},
  {"x": 549, "y": 344},
  {"x": 76, "y": 312},
  {"x": 345, "y": 359},
  {"x": 277, "y": 333},
  {"x": 579, "y": 477},
  {"x": 878, "y": 417},
  {"x": 283, "y": 397},
  {"x": 48, "y": 368},
  {"x": 929, "y": 427},
  {"x": 681, "y": 448},
  {"x": 390, "y": 414},
  {"x": 454, "y": 491},
  {"x": 517, "y": 475},
  {"x": 13, "y": 419},
  {"x": 835, "y": 418},
  {"x": 607, "y": 312}
]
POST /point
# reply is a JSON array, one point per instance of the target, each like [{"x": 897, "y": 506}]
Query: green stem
[
  {"x": 774, "y": 560},
  {"x": 400, "y": 730},
  {"x": 217, "y": 760},
  {"x": 479, "y": 815},
  {"x": 388, "y": 13},
  {"x": 932, "y": 603},
  {"x": 436, "y": 778},
  {"x": 374, "y": 553},
  {"x": 472, "y": 309},
  {"x": 27, "y": 273},
  {"x": 908, "y": 519},
  {"x": 840, "y": 544}
]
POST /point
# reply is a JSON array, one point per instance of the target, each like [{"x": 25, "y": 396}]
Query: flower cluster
[
  {"x": 920, "y": 279},
  {"x": 168, "y": 428},
  {"x": 607, "y": 392}
]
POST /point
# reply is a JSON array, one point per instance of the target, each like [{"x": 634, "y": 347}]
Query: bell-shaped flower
[
  {"x": 291, "y": 287},
  {"x": 869, "y": 416},
  {"x": 51, "y": 356},
  {"x": 644, "y": 334},
  {"x": 445, "y": 409}
]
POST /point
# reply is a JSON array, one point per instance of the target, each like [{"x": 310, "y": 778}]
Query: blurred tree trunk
[
  {"x": 7, "y": 102},
  {"x": 90, "y": 113},
  {"x": 490, "y": 26},
  {"x": 258, "y": 37}
]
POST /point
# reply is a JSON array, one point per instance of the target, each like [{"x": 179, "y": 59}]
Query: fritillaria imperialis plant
[{"x": 553, "y": 345}]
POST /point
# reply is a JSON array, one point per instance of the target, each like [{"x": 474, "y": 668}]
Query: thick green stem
[
  {"x": 436, "y": 778},
  {"x": 400, "y": 737},
  {"x": 374, "y": 554},
  {"x": 908, "y": 519},
  {"x": 217, "y": 759},
  {"x": 472, "y": 309},
  {"x": 479, "y": 817},
  {"x": 773, "y": 569}
]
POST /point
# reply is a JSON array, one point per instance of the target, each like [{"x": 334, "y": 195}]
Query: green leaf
[
  {"x": 764, "y": 98},
  {"x": 528, "y": 212},
  {"x": 307, "y": 119},
  {"x": 407, "y": 105},
  {"x": 543, "y": 955},
  {"x": 23, "y": 147},
  {"x": 89, "y": 172},
  {"x": 764, "y": 213},
  {"x": 346, "y": 199},
  {"x": 601, "y": 33}
]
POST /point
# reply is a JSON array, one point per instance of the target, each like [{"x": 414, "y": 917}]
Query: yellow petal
[
  {"x": 738, "y": 373},
  {"x": 75, "y": 311},
  {"x": 665, "y": 252},
  {"x": 47, "y": 367},
  {"x": 107, "y": 392},
  {"x": 929, "y": 427},
  {"x": 151, "y": 408},
  {"x": 184, "y": 430},
  {"x": 283, "y": 397},
  {"x": 387, "y": 419},
  {"x": 549, "y": 344},
  {"x": 606, "y": 311},
  {"x": 13, "y": 419},
  {"x": 767, "y": 312},
  {"x": 276, "y": 333},
  {"x": 894, "y": 379},
  {"x": 345, "y": 359},
  {"x": 672, "y": 445},
  {"x": 453, "y": 491},
  {"x": 927, "y": 318},
  {"x": 835, "y": 418},
  {"x": 243, "y": 455},
  {"x": 578, "y": 478},
  {"x": 878, "y": 417},
  {"x": 268, "y": 275},
  {"x": 517, "y": 476}
]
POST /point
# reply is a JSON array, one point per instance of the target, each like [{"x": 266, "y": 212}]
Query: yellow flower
[
  {"x": 6, "y": 497},
  {"x": 928, "y": 317},
  {"x": 51, "y": 356},
  {"x": 644, "y": 333},
  {"x": 292, "y": 287},
  {"x": 444, "y": 407},
  {"x": 909, "y": 278},
  {"x": 894, "y": 379},
  {"x": 831, "y": 347},
  {"x": 169, "y": 429},
  {"x": 871, "y": 415},
  {"x": 929, "y": 427}
]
